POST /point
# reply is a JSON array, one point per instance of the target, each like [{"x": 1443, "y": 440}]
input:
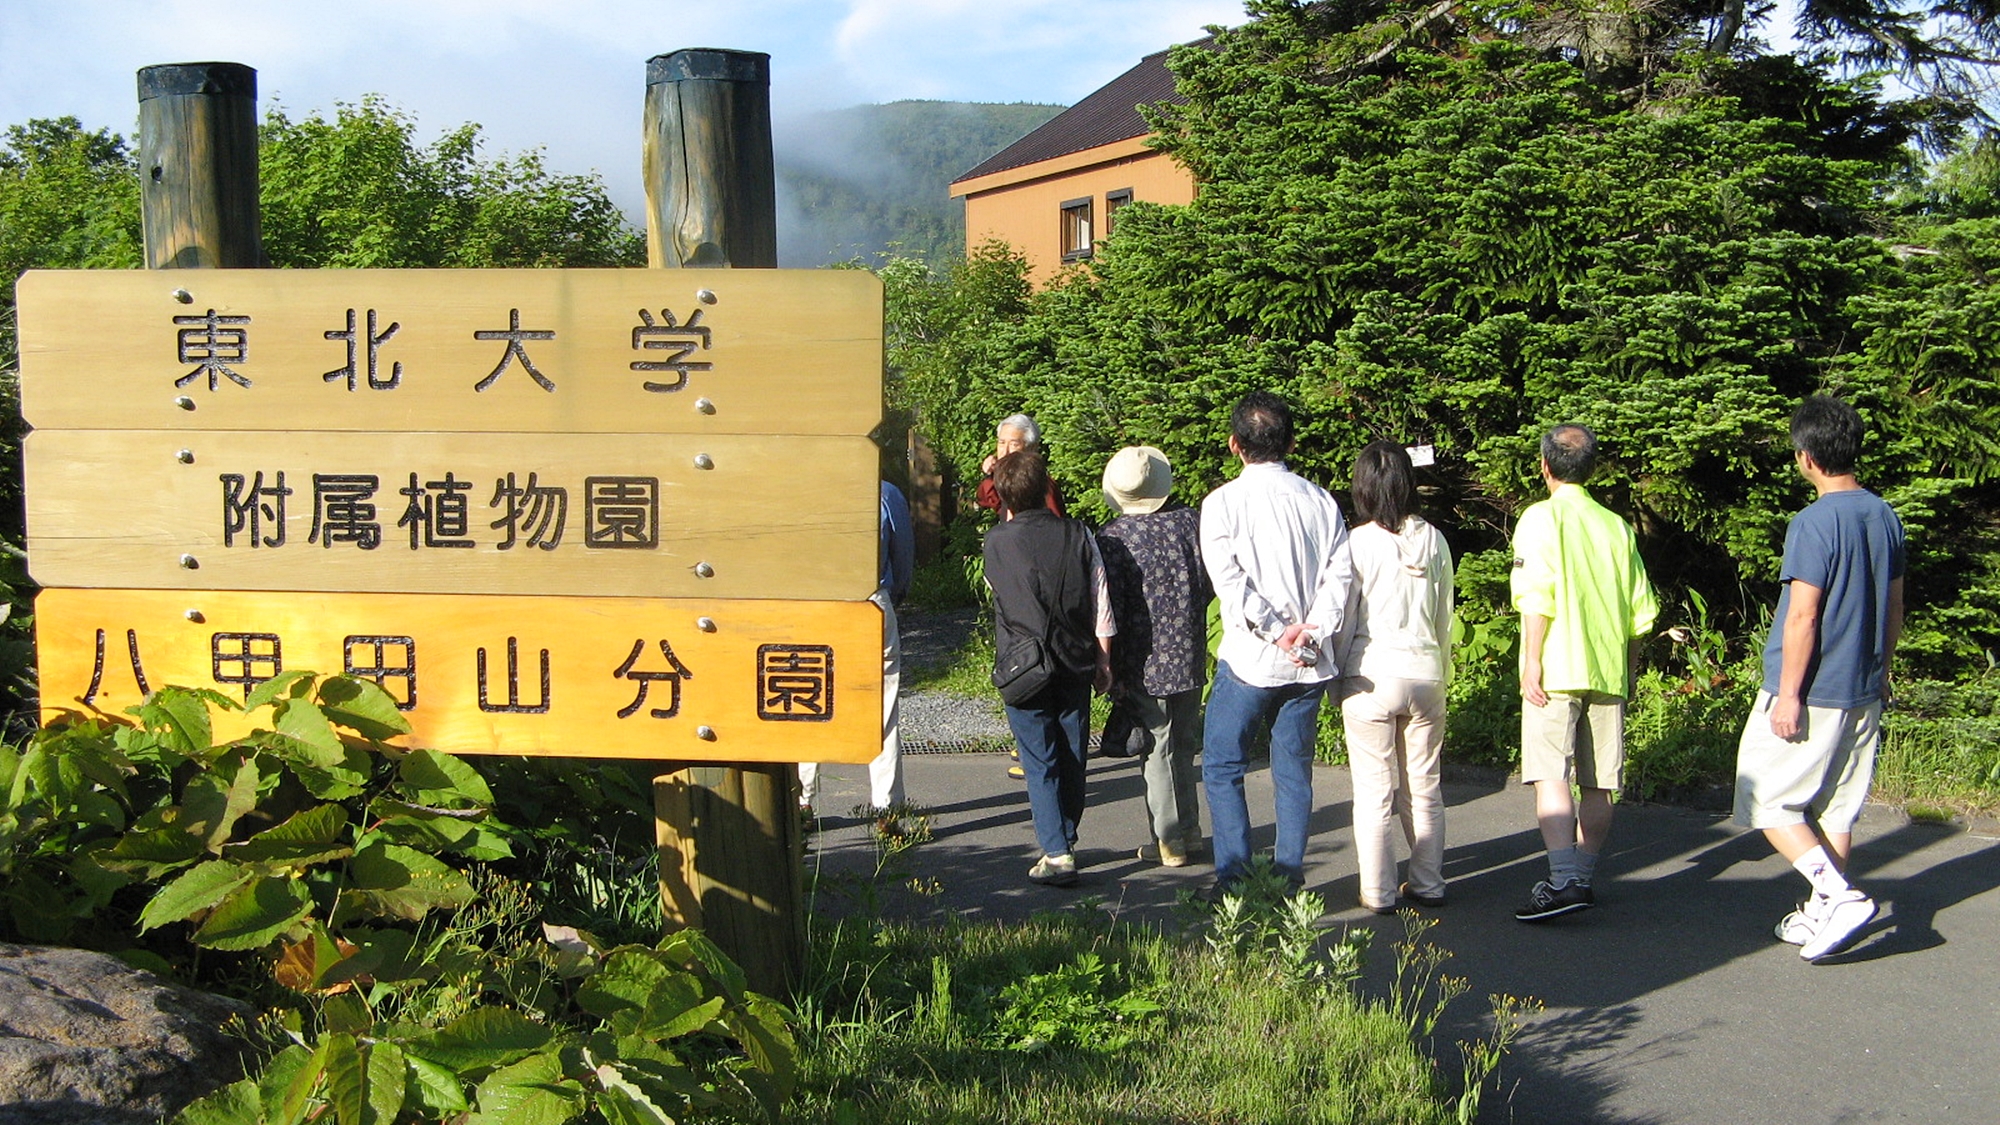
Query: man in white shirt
[{"x": 1275, "y": 546}]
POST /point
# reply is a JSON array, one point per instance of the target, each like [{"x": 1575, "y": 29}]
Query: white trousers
[
  {"x": 1395, "y": 736},
  {"x": 885, "y": 773}
]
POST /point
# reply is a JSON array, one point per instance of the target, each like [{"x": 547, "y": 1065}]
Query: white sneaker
[
  {"x": 1798, "y": 927},
  {"x": 1845, "y": 915},
  {"x": 1054, "y": 871},
  {"x": 1795, "y": 928}
]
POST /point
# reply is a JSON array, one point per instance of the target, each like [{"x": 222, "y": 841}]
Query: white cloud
[{"x": 570, "y": 74}]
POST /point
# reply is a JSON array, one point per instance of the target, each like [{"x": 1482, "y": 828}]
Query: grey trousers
[{"x": 1172, "y": 778}]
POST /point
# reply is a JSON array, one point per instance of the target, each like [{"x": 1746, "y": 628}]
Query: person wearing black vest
[{"x": 1048, "y": 588}]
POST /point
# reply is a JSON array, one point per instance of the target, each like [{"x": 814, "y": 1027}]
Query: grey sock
[
  {"x": 1586, "y": 866},
  {"x": 1562, "y": 866}
]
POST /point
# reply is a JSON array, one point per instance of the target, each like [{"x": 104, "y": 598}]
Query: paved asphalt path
[{"x": 1669, "y": 1003}]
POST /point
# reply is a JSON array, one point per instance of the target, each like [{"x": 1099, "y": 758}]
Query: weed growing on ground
[{"x": 1077, "y": 1016}]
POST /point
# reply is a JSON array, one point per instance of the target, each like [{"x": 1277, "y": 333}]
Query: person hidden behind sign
[
  {"x": 897, "y": 555},
  {"x": 1048, "y": 594}
]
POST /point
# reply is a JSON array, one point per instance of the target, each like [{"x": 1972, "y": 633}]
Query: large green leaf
[
  {"x": 256, "y": 914},
  {"x": 362, "y": 707},
  {"x": 308, "y": 837},
  {"x": 150, "y": 852},
  {"x": 433, "y": 1087},
  {"x": 388, "y": 1081},
  {"x": 180, "y": 718},
  {"x": 392, "y": 881},
  {"x": 530, "y": 1092},
  {"x": 440, "y": 779},
  {"x": 625, "y": 980},
  {"x": 287, "y": 1083},
  {"x": 287, "y": 685},
  {"x": 336, "y": 780},
  {"x": 390, "y": 956},
  {"x": 346, "y": 1078},
  {"x": 199, "y": 889},
  {"x": 627, "y": 1098},
  {"x": 304, "y": 724},
  {"x": 484, "y": 1037},
  {"x": 213, "y": 801},
  {"x": 234, "y": 1104}
]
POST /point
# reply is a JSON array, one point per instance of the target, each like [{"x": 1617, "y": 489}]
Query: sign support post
[
  {"x": 198, "y": 166},
  {"x": 730, "y": 843}
]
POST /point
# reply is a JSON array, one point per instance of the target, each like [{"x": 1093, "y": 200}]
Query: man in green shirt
[{"x": 1581, "y": 590}]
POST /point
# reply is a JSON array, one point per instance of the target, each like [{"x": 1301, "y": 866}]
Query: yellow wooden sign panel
[
  {"x": 648, "y": 678},
  {"x": 714, "y": 516},
  {"x": 535, "y": 351}
]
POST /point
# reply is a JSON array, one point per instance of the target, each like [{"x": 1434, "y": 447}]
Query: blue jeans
[
  {"x": 1053, "y": 732},
  {"x": 1235, "y": 709}
]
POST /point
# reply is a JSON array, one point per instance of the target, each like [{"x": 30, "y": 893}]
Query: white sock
[{"x": 1818, "y": 868}]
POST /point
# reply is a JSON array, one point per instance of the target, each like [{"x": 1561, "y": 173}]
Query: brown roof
[{"x": 1110, "y": 114}]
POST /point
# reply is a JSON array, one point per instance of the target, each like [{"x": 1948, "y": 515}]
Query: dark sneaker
[
  {"x": 1845, "y": 916},
  {"x": 1546, "y": 901},
  {"x": 1054, "y": 871},
  {"x": 1432, "y": 901}
]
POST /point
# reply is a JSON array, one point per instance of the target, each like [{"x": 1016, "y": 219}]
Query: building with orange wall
[{"x": 1055, "y": 193}]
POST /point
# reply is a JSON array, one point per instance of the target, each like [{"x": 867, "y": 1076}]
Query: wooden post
[
  {"x": 730, "y": 844},
  {"x": 198, "y": 165},
  {"x": 711, "y": 189},
  {"x": 926, "y": 498}
]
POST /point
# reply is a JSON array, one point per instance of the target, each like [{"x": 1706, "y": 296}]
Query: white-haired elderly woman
[{"x": 1015, "y": 432}]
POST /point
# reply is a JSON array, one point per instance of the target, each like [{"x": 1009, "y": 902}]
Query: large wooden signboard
[
  {"x": 763, "y": 516},
  {"x": 593, "y": 512},
  {"x": 606, "y": 677},
  {"x": 467, "y": 351}
]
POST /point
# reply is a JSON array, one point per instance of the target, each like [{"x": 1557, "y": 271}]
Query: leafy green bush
[{"x": 647, "y": 1037}]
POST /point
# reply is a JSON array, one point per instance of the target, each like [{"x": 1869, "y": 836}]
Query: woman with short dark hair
[
  {"x": 1048, "y": 591},
  {"x": 1392, "y": 691}
]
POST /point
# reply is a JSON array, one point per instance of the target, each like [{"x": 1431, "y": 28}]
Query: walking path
[{"x": 1670, "y": 1003}]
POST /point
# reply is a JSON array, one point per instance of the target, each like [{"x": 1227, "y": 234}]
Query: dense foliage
[
  {"x": 417, "y": 957},
  {"x": 856, "y": 182},
  {"x": 1440, "y": 232}
]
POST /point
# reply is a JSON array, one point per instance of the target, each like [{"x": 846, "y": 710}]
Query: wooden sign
[
  {"x": 510, "y": 351},
  {"x": 649, "y": 678},
  {"x": 710, "y": 516}
]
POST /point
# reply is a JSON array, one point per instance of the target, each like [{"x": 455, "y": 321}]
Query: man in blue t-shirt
[{"x": 1808, "y": 750}]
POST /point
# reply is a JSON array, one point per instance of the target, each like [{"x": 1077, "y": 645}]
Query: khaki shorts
[
  {"x": 1577, "y": 736},
  {"x": 1825, "y": 772}
]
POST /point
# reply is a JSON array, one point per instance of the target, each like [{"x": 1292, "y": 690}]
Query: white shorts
[{"x": 1823, "y": 774}]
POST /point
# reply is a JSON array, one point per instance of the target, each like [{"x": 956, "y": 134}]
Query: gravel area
[{"x": 936, "y": 722}]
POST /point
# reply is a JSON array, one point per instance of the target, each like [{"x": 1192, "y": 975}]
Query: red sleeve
[{"x": 984, "y": 495}]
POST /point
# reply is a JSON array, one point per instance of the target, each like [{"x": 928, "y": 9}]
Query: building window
[
  {"x": 1113, "y": 200},
  {"x": 1076, "y": 229}
]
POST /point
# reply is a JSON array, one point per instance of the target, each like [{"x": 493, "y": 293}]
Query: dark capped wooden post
[
  {"x": 729, "y": 836},
  {"x": 198, "y": 165},
  {"x": 711, "y": 191}
]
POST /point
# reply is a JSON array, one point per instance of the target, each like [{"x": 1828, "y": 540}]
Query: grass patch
[
  {"x": 1073, "y": 1016},
  {"x": 968, "y": 672}
]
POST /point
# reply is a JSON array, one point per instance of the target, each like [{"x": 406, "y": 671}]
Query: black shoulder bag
[{"x": 1024, "y": 667}]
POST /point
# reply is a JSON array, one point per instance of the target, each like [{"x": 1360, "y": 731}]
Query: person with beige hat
[{"x": 1159, "y": 594}]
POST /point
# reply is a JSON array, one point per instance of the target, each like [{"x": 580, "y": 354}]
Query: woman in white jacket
[{"x": 1398, "y": 661}]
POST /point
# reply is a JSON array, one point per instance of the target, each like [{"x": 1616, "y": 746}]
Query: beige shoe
[{"x": 1164, "y": 854}]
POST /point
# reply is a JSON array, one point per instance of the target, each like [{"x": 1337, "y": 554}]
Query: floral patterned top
[{"x": 1159, "y": 593}]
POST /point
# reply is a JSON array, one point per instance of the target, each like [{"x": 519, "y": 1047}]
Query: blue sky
[{"x": 569, "y": 75}]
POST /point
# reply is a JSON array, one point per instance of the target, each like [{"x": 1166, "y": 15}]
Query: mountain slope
[{"x": 853, "y": 182}]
